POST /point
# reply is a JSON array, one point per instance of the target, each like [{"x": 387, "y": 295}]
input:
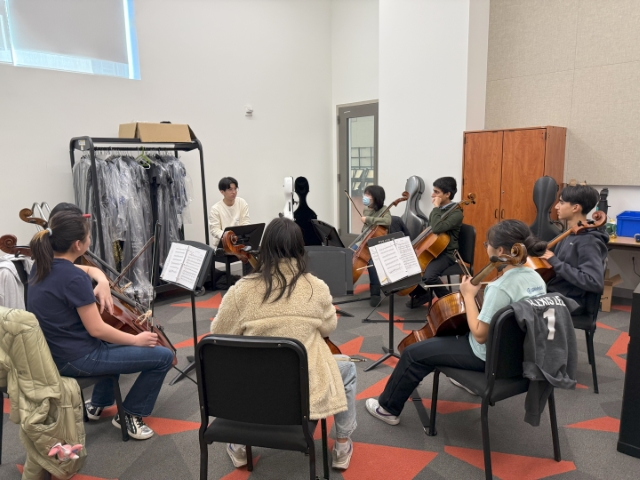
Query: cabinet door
[
  {"x": 481, "y": 175},
  {"x": 522, "y": 165}
]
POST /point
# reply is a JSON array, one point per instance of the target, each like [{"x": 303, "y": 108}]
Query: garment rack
[{"x": 91, "y": 145}]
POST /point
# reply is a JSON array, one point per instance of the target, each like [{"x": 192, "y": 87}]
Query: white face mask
[{"x": 366, "y": 200}]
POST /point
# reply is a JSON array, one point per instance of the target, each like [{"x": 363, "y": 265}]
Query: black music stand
[
  {"x": 248, "y": 235},
  {"x": 204, "y": 268},
  {"x": 390, "y": 290},
  {"x": 327, "y": 233}
]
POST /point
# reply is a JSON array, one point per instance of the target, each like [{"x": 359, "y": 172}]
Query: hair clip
[{"x": 86, "y": 215}]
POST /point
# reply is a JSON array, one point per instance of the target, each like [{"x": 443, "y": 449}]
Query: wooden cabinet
[{"x": 501, "y": 167}]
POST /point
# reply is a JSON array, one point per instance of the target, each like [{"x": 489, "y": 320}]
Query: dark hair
[
  {"x": 377, "y": 195},
  {"x": 509, "y": 232},
  {"x": 585, "y": 196},
  {"x": 64, "y": 228},
  {"x": 65, "y": 207},
  {"x": 447, "y": 185},
  {"x": 282, "y": 240},
  {"x": 226, "y": 182}
]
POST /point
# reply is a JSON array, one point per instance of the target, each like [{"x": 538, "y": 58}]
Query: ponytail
[
  {"x": 64, "y": 228},
  {"x": 509, "y": 232}
]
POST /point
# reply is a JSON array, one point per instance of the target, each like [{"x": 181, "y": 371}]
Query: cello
[
  {"x": 361, "y": 255},
  {"x": 231, "y": 247},
  {"x": 450, "y": 317},
  {"x": 429, "y": 245},
  {"x": 128, "y": 316},
  {"x": 544, "y": 268}
]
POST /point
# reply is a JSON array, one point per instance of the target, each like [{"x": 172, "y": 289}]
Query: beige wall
[{"x": 572, "y": 63}]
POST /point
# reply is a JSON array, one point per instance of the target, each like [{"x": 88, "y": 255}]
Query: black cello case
[
  {"x": 414, "y": 219},
  {"x": 545, "y": 192}
]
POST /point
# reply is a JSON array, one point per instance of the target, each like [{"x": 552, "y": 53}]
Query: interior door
[
  {"x": 522, "y": 165},
  {"x": 482, "y": 172}
]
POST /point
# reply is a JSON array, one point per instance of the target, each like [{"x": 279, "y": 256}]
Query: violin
[
  {"x": 429, "y": 245},
  {"x": 231, "y": 247},
  {"x": 448, "y": 316},
  {"x": 128, "y": 316},
  {"x": 544, "y": 268},
  {"x": 361, "y": 256}
]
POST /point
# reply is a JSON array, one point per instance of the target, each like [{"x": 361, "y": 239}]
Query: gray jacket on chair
[{"x": 550, "y": 353}]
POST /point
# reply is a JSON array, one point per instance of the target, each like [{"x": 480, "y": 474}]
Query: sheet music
[
  {"x": 408, "y": 256},
  {"x": 174, "y": 261},
  {"x": 382, "y": 275},
  {"x": 390, "y": 258},
  {"x": 191, "y": 267}
]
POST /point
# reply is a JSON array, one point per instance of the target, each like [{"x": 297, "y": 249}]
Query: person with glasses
[
  {"x": 464, "y": 351},
  {"x": 578, "y": 260}
]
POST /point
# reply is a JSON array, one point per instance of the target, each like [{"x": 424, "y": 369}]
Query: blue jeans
[
  {"x": 110, "y": 359},
  {"x": 345, "y": 422}
]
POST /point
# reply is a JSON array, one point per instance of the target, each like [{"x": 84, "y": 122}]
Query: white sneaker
[
  {"x": 341, "y": 455},
  {"x": 238, "y": 454},
  {"x": 374, "y": 408},
  {"x": 458, "y": 384}
]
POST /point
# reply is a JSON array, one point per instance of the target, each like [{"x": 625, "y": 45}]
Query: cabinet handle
[
  {"x": 496, "y": 213},
  {"x": 502, "y": 213}
]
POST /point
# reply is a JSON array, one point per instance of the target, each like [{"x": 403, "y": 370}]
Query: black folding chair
[
  {"x": 257, "y": 388},
  {"x": 587, "y": 321},
  {"x": 466, "y": 249},
  {"x": 501, "y": 379}
]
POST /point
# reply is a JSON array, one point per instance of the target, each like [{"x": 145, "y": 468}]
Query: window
[{"x": 95, "y": 37}]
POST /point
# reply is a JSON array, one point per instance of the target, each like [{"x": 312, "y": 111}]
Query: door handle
[
  {"x": 495, "y": 214},
  {"x": 502, "y": 213}
]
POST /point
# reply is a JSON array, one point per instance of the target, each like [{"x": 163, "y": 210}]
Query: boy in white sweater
[{"x": 228, "y": 212}]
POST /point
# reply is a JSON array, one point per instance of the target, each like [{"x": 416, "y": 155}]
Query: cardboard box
[
  {"x": 156, "y": 132},
  {"x": 607, "y": 294}
]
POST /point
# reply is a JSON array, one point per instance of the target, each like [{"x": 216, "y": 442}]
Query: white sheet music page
[
  {"x": 408, "y": 256},
  {"x": 391, "y": 262},
  {"x": 382, "y": 275},
  {"x": 174, "y": 261},
  {"x": 191, "y": 267}
]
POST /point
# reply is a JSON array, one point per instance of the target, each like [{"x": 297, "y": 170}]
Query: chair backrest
[
  {"x": 592, "y": 303},
  {"x": 467, "y": 244},
  {"x": 397, "y": 225},
  {"x": 505, "y": 352},
  {"x": 263, "y": 380}
]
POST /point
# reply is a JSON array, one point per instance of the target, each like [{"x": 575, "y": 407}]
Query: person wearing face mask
[
  {"x": 444, "y": 189},
  {"x": 373, "y": 200}
]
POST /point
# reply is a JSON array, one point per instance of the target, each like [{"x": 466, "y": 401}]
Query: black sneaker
[
  {"x": 135, "y": 426},
  {"x": 93, "y": 412}
]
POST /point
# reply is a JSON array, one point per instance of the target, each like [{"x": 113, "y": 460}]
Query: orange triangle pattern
[
  {"x": 606, "y": 327},
  {"x": 373, "y": 462},
  {"x": 241, "y": 473},
  {"x": 374, "y": 390},
  {"x": 213, "y": 302},
  {"x": 619, "y": 347},
  {"x": 579, "y": 385},
  {"x": 446, "y": 406},
  {"x": 6, "y": 405},
  {"x": 317, "y": 435},
  {"x": 602, "y": 424},
  {"x": 363, "y": 287},
  {"x": 77, "y": 476},
  {"x": 623, "y": 308},
  {"x": 512, "y": 467}
]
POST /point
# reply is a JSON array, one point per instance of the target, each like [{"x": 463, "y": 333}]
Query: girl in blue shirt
[{"x": 63, "y": 300}]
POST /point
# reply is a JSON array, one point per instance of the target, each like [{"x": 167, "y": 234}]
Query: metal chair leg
[
  {"x": 325, "y": 449},
  {"x": 593, "y": 360},
  {"x": 121, "y": 412},
  {"x": 85, "y": 417},
  {"x": 554, "y": 427},
  {"x": 312, "y": 462},
  {"x": 587, "y": 336},
  {"x": 486, "y": 444},
  {"x": 204, "y": 458},
  {"x": 434, "y": 402},
  {"x": 249, "y": 459},
  {"x": 1, "y": 424}
]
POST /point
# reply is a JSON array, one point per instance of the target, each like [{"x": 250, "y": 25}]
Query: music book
[
  {"x": 183, "y": 265},
  {"x": 395, "y": 260}
]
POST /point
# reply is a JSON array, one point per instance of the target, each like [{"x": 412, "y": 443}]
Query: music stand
[
  {"x": 327, "y": 233},
  {"x": 248, "y": 235},
  {"x": 390, "y": 290}
]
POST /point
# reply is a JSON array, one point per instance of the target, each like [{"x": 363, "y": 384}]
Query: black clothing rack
[{"x": 92, "y": 145}]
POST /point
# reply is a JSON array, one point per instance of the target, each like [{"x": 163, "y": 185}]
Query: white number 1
[{"x": 550, "y": 316}]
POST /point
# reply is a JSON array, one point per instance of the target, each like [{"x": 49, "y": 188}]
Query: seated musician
[
  {"x": 444, "y": 189},
  {"x": 373, "y": 200},
  {"x": 464, "y": 351},
  {"x": 82, "y": 344},
  {"x": 282, "y": 300},
  {"x": 578, "y": 260},
  {"x": 228, "y": 212}
]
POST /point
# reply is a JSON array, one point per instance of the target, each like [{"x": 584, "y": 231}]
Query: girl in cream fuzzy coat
[{"x": 281, "y": 300}]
